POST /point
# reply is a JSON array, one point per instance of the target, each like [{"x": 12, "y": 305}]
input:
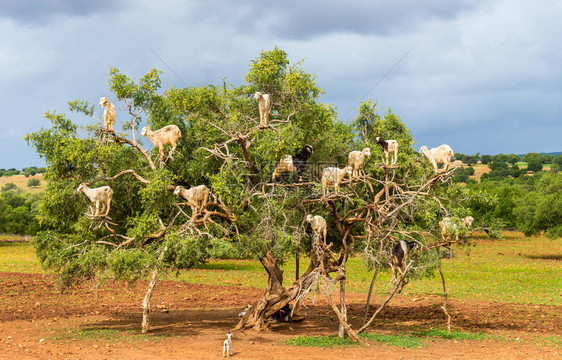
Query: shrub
[{"x": 534, "y": 165}]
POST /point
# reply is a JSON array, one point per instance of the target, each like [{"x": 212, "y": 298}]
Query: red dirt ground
[{"x": 189, "y": 322}]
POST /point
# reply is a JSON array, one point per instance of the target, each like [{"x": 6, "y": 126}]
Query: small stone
[{"x": 41, "y": 340}]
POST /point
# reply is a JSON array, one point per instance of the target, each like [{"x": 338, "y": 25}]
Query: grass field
[
  {"x": 21, "y": 182},
  {"x": 514, "y": 270}
]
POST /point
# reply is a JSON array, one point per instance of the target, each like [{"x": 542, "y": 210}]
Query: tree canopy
[{"x": 149, "y": 229}]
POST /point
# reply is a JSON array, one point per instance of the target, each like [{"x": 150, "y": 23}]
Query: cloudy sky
[{"x": 483, "y": 76}]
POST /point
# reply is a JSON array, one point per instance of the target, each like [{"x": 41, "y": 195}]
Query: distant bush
[
  {"x": 17, "y": 211},
  {"x": 497, "y": 165},
  {"x": 534, "y": 165},
  {"x": 462, "y": 174},
  {"x": 556, "y": 164},
  {"x": 33, "y": 183},
  {"x": 8, "y": 187},
  {"x": 485, "y": 159}
]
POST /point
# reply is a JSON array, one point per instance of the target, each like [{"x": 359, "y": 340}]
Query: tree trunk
[
  {"x": 444, "y": 307},
  {"x": 297, "y": 265},
  {"x": 368, "y": 302},
  {"x": 276, "y": 296},
  {"x": 146, "y": 301},
  {"x": 343, "y": 308}
]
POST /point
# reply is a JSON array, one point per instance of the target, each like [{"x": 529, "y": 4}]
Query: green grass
[
  {"x": 408, "y": 341},
  {"x": 552, "y": 340},
  {"x": 321, "y": 341},
  {"x": 513, "y": 270},
  {"x": 415, "y": 340},
  {"x": 454, "y": 335},
  {"x": 105, "y": 335},
  {"x": 21, "y": 182},
  {"x": 18, "y": 257}
]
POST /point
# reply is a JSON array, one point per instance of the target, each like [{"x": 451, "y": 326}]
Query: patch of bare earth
[{"x": 189, "y": 322}]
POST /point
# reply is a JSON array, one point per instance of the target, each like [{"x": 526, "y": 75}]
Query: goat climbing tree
[{"x": 149, "y": 229}]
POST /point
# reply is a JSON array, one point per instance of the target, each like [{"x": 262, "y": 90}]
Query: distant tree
[
  {"x": 532, "y": 156},
  {"x": 486, "y": 159},
  {"x": 12, "y": 172},
  {"x": 29, "y": 171},
  {"x": 498, "y": 165},
  {"x": 469, "y": 160},
  {"x": 547, "y": 158},
  {"x": 459, "y": 156},
  {"x": 17, "y": 211},
  {"x": 541, "y": 209},
  {"x": 33, "y": 183},
  {"x": 513, "y": 158},
  {"x": 501, "y": 157},
  {"x": 515, "y": 171},
  {"x": 534, "y": 164},
  {"x": 470, "y": 170},
  {"x": 460, "y": 176},
  {"x": 556, "y": 164},
  {"x": 8, "y": 187}
]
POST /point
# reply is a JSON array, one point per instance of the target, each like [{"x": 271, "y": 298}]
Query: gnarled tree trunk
[{"x": 276, "y": 296}]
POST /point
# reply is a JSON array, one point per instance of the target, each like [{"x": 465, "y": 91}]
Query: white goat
[
  {"x": 169, "y": 134},
  {"x": 318, "y": 225},
  {"x": 442, "y": 154},
  {"x": 356, "y": 161},
  {"x": 245, "y": 311},
  {"x": 450, "y": 227},
  {"x": 196, "y": 197},
  {"x": 334, "y": 176},
  {"x": 108, "y": 113},
  {"x": 284, "y": 165},
  {"x": 227, "y": 346},
  {"x": 264, "y": 105},
  {"x": 388, "y": 147},
  {"x": 98, "y": 195}
]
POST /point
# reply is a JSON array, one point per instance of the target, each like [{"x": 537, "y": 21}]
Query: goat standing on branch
[
  {"x": 108, "y": 113},
  {"x": 357, "y": 160},
  {"x": 399, "y": 256},
  {"x": 450, "y": 227},
  {"x": 196, "y": 197},
  {"x": 168, "y": 135},
  {"x": 295, "y": 163},
  {"x": 318, "y": 225},
  {"x": 388, "y": 147},
  {"x": 264, "y": 105},
  {"x": 442, "y": 154},
  {"x": 98, "y": 195},
  {"x": 334, "y": 176}
]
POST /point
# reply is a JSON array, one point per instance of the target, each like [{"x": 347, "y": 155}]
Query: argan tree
[{"x": 149, "y": 229}]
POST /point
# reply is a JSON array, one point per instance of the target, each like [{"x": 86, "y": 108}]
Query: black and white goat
[
  {"x": 388, "y": 147},
  {"x": 296, "y": 163},
  {"x": 227, "y": 346},
  {"x": 399, "y": 256}
]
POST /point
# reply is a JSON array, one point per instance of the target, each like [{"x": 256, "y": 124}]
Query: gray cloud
[
  {"x": 41, "y": 12},
  {"x": 484, "y": 76},
  {"x": 307, "y": 19}
]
